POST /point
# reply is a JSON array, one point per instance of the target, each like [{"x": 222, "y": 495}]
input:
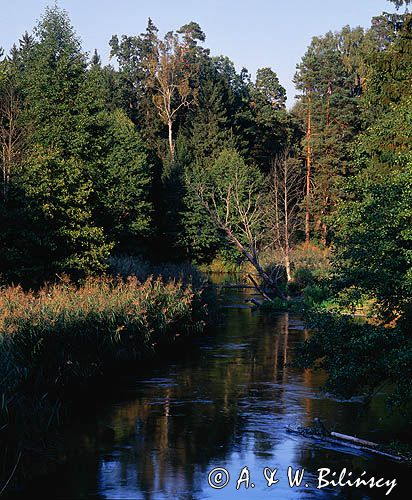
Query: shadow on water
[{"x": 224, "y": 402}]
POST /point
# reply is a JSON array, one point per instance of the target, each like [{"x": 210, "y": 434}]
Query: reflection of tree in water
[{"x": 177, "y": 427}]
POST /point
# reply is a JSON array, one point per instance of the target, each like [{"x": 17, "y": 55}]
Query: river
[{"x": 223, "y": 401}]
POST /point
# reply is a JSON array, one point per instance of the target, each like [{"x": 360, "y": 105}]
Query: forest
[{"x": 169, "y": 154}]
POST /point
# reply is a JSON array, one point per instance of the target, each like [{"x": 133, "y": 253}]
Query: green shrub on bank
[
  {"x": 359, "y": 357},
  {"x": 315, "y": 294}
]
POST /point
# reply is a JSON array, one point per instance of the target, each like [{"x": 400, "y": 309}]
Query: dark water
[{"x": 224, "y": 402}]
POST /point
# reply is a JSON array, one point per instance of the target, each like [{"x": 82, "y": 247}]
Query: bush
[
  {"x": 315, "y": 294},
  {"x": 303, "y": 277},
  {"x": 358, "y": 356}
]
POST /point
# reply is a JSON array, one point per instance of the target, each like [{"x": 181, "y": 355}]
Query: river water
[{"x": 224, "y": 401}]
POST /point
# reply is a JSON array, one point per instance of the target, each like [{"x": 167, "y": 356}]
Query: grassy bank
[{"x": 65, "y": 337}]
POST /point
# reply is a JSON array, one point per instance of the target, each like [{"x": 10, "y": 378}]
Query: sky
[{"x": 253, "y": 33}]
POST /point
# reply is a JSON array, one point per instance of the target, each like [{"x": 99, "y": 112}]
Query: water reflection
[{"x": 225, "y": 403}]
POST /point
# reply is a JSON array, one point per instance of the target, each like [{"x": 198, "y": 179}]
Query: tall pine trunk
[{"x": 308, "y": 173}]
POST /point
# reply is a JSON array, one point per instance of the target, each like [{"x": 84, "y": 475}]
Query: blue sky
[{"x": 253, "y": 33}]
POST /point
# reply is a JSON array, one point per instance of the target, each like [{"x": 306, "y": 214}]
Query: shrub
[
  {"x": 359, "y": 357},
  {"x": 303, "y": 277},
  {"x": 315, "y": 294}
]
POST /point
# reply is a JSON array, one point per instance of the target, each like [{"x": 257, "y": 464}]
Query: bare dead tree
[
  {"x": 286, "y": 196},
  {"x": 238, "y": 206},
  {"x": 11, "y": 134}
]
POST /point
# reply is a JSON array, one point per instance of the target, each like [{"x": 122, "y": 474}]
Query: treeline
[
  {"x": 370, "y": 209},
  {"x": 94, "y": 158},
  {"x": 173, "y": 154}
]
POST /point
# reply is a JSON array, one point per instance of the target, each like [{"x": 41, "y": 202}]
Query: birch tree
[
  {"x": 169, "y": 78},
  {"x": 11, "y": 134}
]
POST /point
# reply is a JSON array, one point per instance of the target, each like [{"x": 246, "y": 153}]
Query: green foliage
[
  {"x": 123, "y": 182},
  {"x": 359, "y": 357},
  {"x": 373, "y": 241},
  {"x": 315, "y": 294},
  {"x": 57, "y": 194},
  {"x": 276, "y": 305},
  {"x": 229, "y": 180},
  {"x": 53, "y": 71},
  {"x": 89, "y": 170},
  {"x": 75, "y": 110},
  {"x": 303, "y": 277},
  {"x": 270, "y": 129},
  {"x": 329, "y": 78},
  {"x": 83, "y": 184},
  {"x": 372, "y": 224},
  {"x": 349, "y": 301}
]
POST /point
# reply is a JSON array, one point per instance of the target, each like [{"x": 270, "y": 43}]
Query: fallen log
[
  {"x": 258, "y": 288},
  {"x": 345, "y": 440},
  {"x": 354, "y": 440}
]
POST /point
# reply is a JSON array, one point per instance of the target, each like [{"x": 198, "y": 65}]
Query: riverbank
[
  {"x": 66, "y": 337},
  {"x": 226, "y": 399}
]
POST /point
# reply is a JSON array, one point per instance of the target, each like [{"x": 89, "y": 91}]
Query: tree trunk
[
  {"x": 171, "y": 143},
  {"x": 255, "y": 263},
  {"x": 258, "y": 288},
  {"x": 324, "y": 233},
  {"x": 308, "y": 173},
  {"x": 324, "y": 226},
  {"x": 286, "y": 228},
  {"x": 287, "y": 267}
]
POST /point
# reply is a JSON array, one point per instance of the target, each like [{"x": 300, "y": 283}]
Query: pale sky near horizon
[{"x": 253, "y": 33}]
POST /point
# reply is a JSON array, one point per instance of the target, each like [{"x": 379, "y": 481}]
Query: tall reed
[{"x": 64, "y": 336}]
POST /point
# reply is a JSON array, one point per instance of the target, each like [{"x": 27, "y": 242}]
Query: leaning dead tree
[
  {"x": 286, "y": 194},
  {"x": 235, "y": 197}
]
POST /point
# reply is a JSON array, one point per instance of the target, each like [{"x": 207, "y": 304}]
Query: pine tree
[{"x": 329, "y": 81}]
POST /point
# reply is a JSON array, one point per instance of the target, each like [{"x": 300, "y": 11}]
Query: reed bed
[
  {"x": 65, "y": 332},
  {"x": 63, "y": 336}
]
